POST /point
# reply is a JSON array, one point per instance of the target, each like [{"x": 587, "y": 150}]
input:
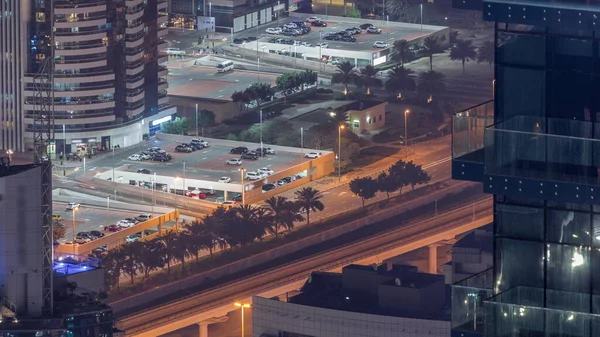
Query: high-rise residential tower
[
  {"x": 536, "y": 149},
  {"x": 108, "y": 80}
]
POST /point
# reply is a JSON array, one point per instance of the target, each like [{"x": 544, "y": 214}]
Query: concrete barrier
[{"x": 86, "y": 200}]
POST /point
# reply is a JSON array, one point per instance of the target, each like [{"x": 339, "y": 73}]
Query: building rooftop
[
  {"x": 6, "y": 169},
  {"x": 480, "y": 238},
  {"x": 361, "y": 105},
  {"x": 69, "y": 264},
  {"x": 376, "y": 290}
]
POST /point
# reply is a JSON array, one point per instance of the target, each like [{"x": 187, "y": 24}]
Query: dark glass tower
[{"x": 536, "y": 148}]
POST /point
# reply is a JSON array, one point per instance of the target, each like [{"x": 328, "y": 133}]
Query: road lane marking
[{"x": 437, "y": 162}]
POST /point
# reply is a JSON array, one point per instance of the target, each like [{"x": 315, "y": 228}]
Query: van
[
  {"x": 144, "y": 217},
  {"x": 225, "y": 66}
]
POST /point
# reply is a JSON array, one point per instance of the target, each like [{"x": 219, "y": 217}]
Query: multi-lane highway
[{"x": 404, "y": 235}]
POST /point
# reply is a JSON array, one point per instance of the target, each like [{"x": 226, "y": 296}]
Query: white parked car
[
  {"x": 266, "y": 171},
  {"x": 312, "y": 155},
  {"x": 125, "y": 223},
  {"x": 135, "y": 157},
  {"x": 290, "y": 25},
  {"x": 175, "y": 51},
  {"x": 322, "y": 45},
  {"x": 72, "y": 205},
  {"x": 313, "y": 19},
  {"x": 254, "y": 175},
  {"x": 199, "y": 141},
  {"x": 275, "y": 31},
  {"x": 234, "y": 161},
  {"x": 306, "y": 44},
  {"x": 224, "y": 180},
  {"x": 380, "y": 44}
]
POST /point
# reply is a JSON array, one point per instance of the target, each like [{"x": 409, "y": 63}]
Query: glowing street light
[{"x": 243, "y": 306}]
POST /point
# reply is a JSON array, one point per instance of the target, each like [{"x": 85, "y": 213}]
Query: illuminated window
[{"x": 40, "y": 17}]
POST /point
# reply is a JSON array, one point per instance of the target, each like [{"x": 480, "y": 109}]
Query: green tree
[
  {"x": 151, "y": 258},
  {"x": 308, "y": 77},
  {"x": 284, "y": 214},
  {"x": 397, "y": 175},
  {"x": 345, "y": 74},
  {"x": 177, "y": 127},
  {"x": 464, "y": 51},
  {"x": 485, "y": 53},
  {"x": 352, "y": 13},
  {"x": 241, "y": 98},
  {"x": 243, "y": 228},
  {"x": 260, "y": 93},
  {"x": 431, "y": 83},
  {"x": 431, "y": 46},
  {"x": 113, "y": 266},
  {"x": 387, "y": 183},
  {"x": 309, "y": 200},
  {"x": 181, "y": 247},
  {"x": 338, "y": 118},
  {"x": 131, "y": 254},
  {"x": 415, "y": 175},
  {"x": 400, "y": 80},
  {"x": 58, "y": 232},
  {"x": 397, "y": 9},
  {"x": 402, "y": 52},
  {"x": 285, "y": 82},
  {"x": 206, "y": 118},
  {"x": 211, "y": 228},
  {"x": 368, "y": 78},
  {"x": 365, "y": 188}
]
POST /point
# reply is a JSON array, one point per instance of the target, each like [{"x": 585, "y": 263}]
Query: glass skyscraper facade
[{"x": 536, "y": 148}]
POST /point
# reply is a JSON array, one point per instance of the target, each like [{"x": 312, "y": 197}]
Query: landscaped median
[{"x": 209, "y": 272}]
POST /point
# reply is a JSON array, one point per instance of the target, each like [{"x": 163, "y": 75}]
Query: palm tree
[
  {"x": 401, "y": 52},
  {"x": 345, "y": 74},
  {"x": 243, "y": 227},
  {"x": 485, "y": 53},
  {"x": 431, "y": 46},
  {"x": 212, "y": 228},
  {"x": 308, "y": 77},
  {"x": 168, "y": 240},
  {"x": 368, "y": 78},
  {"x": 431, "y": 83},
  {"x": 199, "y": 240},
  {"x": 464, "y": 51},
  {"x": 181, "y": 247},
  {"x": 309, "y": 200},
  {"x": 400, "y": 80},
  {"x": 152, "y": 257},
  {"x": 283, "y": 212},
  {"x": 340, "y": 118},
  {"x": 241, "y": 98},
  {"x": 131, "y": 253}
]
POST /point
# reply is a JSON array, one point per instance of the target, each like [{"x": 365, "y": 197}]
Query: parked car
[
  {"x": 135, "y": 157},
  {"x": 155, "y": 149},
  {"x": 239, "y": 41},
  {"x": 239, "y": 150},
  {"x": 312, "y": 155},
  {"x": 85, "y": 235},
  {"x": 332, "y": 37},
  {"x": 196, "y": 194},
  {"x": 306, "y": 44},
  {"x": 145, "y": 156},
  {"x": 228, "y": 203},
  {"x": 251, "y": 38},
  {"x": 162, "y": 157},
  {"x": 266, "y": 170},
  {"x": 265, "y": 150},
  {"x": 133, "y": 238},
  {"x": 238, "y": 198},
  {"x": 144, "y": 171},
  {"x": 253, "y": 175},
  {"x": 132, "y": 220},
  {"x": 268, "y": 187},
  {"x": 112, "y": 228},
  {"x": 183, "y": 148},
  {"x": 274, "y": 31},
  {"x": 100, "y": 250},
  {"x": 348, "y": 39},
  {"x": 322, "y": 45},
  {"x": 373, "y": 30},
  {"x": 380, "y": 44},
  {"x": 366, "y": 26},
  {"x": 284, "y": 181},
  {"x": 313, "y": 19},
  {"x": 96, "y": 234},
  {"x": 199, "y": 141},
  {"x": 249, "y": 155},
  {"x": 125, "y": 223},
  {"x": 174, "y": 51},
  {"x": 224, "y": 180},
  {"x": 144, "y": 217},
  {"x": 234, "y": 161},
  {"x": 72, "y": 205},
  {"x": 319, "y": 23},
  {"x": 354, "y": 30},
  {"x": 195, "y": 146},
  {"x": 290, "y": 25},
  {"x": 81, "y": 240}
]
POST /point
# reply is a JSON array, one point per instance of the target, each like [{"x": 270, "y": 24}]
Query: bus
[{"x": 225, "y": 66}]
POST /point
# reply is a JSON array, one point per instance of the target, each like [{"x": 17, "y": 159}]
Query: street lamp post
[
  {"x": 183, "y": 186},
  {"x": 73, "y": 229},
  {"x": 406, "y": 112},
  {"x": 261, "y": 132},
  {"x": 107, "y": 211},
  {"x": 258, "y": 70},
  {"x": 242, "y": 176},
  {"x": 421, "y": 5},
  {"x": 196, "y": 119},
  {"x": 243, "y": 306},
  {"x": 302, "y": 140},
  {"x": 64, "y": 144},
  {"x": 340, "y": 152},
  {"x": 154, "y": 189}
]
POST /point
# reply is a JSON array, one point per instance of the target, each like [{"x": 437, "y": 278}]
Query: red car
[
  {"x": 112, "y": 228},
  {"x": 196, "y": 194}
]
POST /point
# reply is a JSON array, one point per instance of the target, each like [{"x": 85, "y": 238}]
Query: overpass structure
[{"x": 216, "y": 302}]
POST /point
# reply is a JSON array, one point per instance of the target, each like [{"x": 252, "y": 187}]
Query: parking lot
[
  {"x": 209, "y": 163},
  {"x": 89, "y": 218},
  {"x": 390, "y": 32}
]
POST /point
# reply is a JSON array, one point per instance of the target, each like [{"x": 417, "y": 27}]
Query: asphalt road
[
  {"x": 325, "y": 256},
  {"x": 231, "y": 328},
  {"x": 202, "y": 81}
]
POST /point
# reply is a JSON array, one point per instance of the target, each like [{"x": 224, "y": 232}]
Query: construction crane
[{"x": 43, "y": 135}]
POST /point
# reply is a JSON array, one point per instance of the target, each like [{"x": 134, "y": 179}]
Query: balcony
[
  {"x": 81, "y": 37},
  {"x": 468, "y": 128},
  {"x": 83, "y": 50},
  {"x": 162, "y": 5},
  {"x": 467, "y": 298},
  {"x": 555, "y": 159},
  {"x": 76, "y": 22},
  {"x": 80, "y": 64},
  {"x": 162, "y": 85},
  {"x": 79, "y": 8}
]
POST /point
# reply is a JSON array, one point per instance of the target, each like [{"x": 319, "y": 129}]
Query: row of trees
[
  {"x": 181, "y": 125},
  {"x": 398, "y": 176},
  {"x": 223, "y": 228},
  {"x": 292, "y": 81},
  {"x": 399, "y": 80},
  {"x": 461, "y": 50}
]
